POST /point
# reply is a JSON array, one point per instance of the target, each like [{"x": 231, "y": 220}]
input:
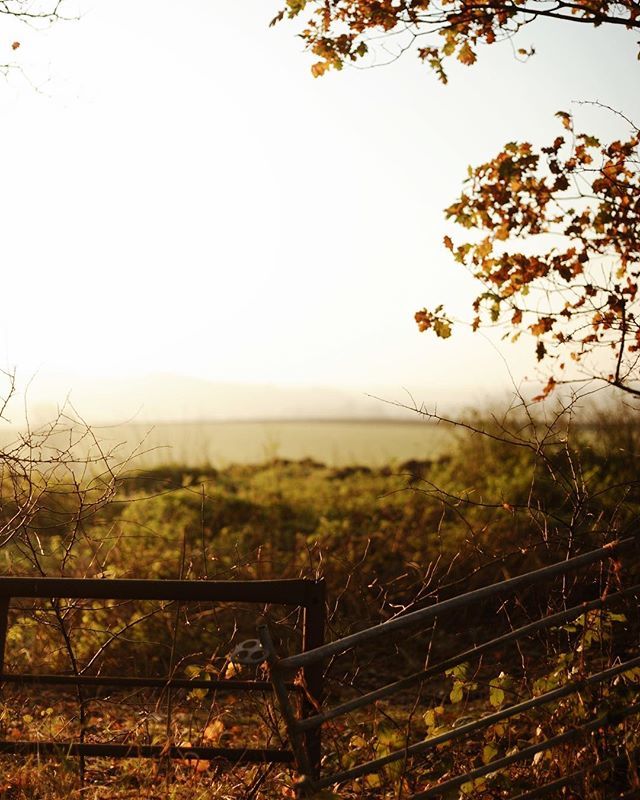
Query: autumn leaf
[
  {"x": 296, "y": 6},
  {"x": 484, "y": 248},
  {"x": 456, "y": 694},
  {"x": 589, "y": 141},
  {"x": 343, "y": 28},
  {"x": 549, "y": 387},
  {"x": 466, "y": 54},
  {"x": 232, "y": 669},
  {"x": 213, "y": 731},
  {"x": 489, "y": 752},
  {"x": 318, "y": 69},
  {"x": 566, "y": 119},
  {"x": 15, "y": 45},
  {"x": 496, "y": 696},
  {"x": 543, "y": 325},
  {"x": 522, "y": 194},
  {"x": 442, "y": 328}
]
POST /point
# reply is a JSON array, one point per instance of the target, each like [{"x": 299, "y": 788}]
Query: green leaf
[
  {"x": 460, "y": 671},
  {"x": 456, "y": 693},
  {"x": 489, "y": 752},
  {"x": 496, "y": 696}
]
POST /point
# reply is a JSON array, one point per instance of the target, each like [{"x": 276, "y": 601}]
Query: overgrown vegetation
[{"x": 512, "y": 494}]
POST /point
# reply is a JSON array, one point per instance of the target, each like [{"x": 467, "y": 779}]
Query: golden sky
[{"x": 182, "y": 197}]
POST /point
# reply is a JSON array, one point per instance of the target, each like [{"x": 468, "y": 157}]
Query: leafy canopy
[
  {"x": 574, "y": 285},
  {"x": 341, "y": 31}
]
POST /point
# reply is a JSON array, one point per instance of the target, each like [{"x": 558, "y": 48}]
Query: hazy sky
[{"x": 183, "y": 197}]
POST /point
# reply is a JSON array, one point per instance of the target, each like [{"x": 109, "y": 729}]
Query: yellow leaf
[
  {"x": 466, "y": 54},
  {"x": 213, "y": 731},
  {"x": 429, "y": 718},
  {"x": 566, "y": 119},
  {"x": 318, "y": 69},
  {"x": 489, "y": 752},
  {"x": 632, "y": 674},
  {"x": 456, "y": 693},
  {"x": 499, "y": 729},
  {"x": 484, "y": 248},
  {"x": 496, "y": 696},
  {"x": 232, "y": 670},
  {"x": 442, "y": 328}
]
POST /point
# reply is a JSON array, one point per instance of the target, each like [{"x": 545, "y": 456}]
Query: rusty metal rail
[
  {"x": 439, "y": 668},
  {"x": 603, "y": 721},
  {"x": 453, "y": 604},
  {"x": 231, "y": 755},
  {"x": 567, "y": 780},
  {"x": 307, "y": 594},
  {"x": 297, "y": 728}
]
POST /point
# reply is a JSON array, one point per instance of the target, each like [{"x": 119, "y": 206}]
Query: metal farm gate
[
  {"x": 304, "y": 723},
  {"x": 307, "y": 594},
  {"x": 299, "y": 727}
]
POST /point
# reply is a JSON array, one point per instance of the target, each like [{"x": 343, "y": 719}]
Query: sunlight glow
[{"x": 184, "y": 198}]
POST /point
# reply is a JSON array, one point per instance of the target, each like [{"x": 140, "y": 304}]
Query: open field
[
  {"x": 335, "y": 443},
  {"x": 372, "y": 443}
]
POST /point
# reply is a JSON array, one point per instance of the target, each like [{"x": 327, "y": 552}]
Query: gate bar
[
  {"x": 609, "y": 718},
  {"x": 233, "y": 755},
  {"x": 291, "y": 592},
  {"x": 410, "y": 680},
  {"x": 478, "y": 724},
  {"x": 295, "y": 740},
  {"x": 142, "y": 683},
  {"x": 424, "y": 614},
  {"x": 547, "y": 788}
]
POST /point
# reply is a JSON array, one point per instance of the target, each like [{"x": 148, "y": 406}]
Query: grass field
[{"x": 335, "y": 443}]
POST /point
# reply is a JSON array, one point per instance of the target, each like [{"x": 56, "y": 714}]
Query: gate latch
[{"x": 249, "y": 652}]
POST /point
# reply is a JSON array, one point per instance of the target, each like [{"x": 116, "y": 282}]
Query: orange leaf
[
  {"x": 466, "y": 54},
  {"x": 550, "y": 386},
  {"x": 543, "y": 325},
  {"x": 567, "y": 121}
]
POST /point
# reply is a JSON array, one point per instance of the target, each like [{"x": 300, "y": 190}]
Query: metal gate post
[{"x": 313, "y": 624}]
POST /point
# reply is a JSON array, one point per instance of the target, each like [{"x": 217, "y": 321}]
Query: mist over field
[
  {"x": 332, "y": 442},
  {"x": 165, "y": 419},
  {"x": 166, "y": 397}
]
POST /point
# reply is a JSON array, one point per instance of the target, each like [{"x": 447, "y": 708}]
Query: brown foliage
[
  {"x": 578, "y": 200},
  {"x": 337, "y": 31}
]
